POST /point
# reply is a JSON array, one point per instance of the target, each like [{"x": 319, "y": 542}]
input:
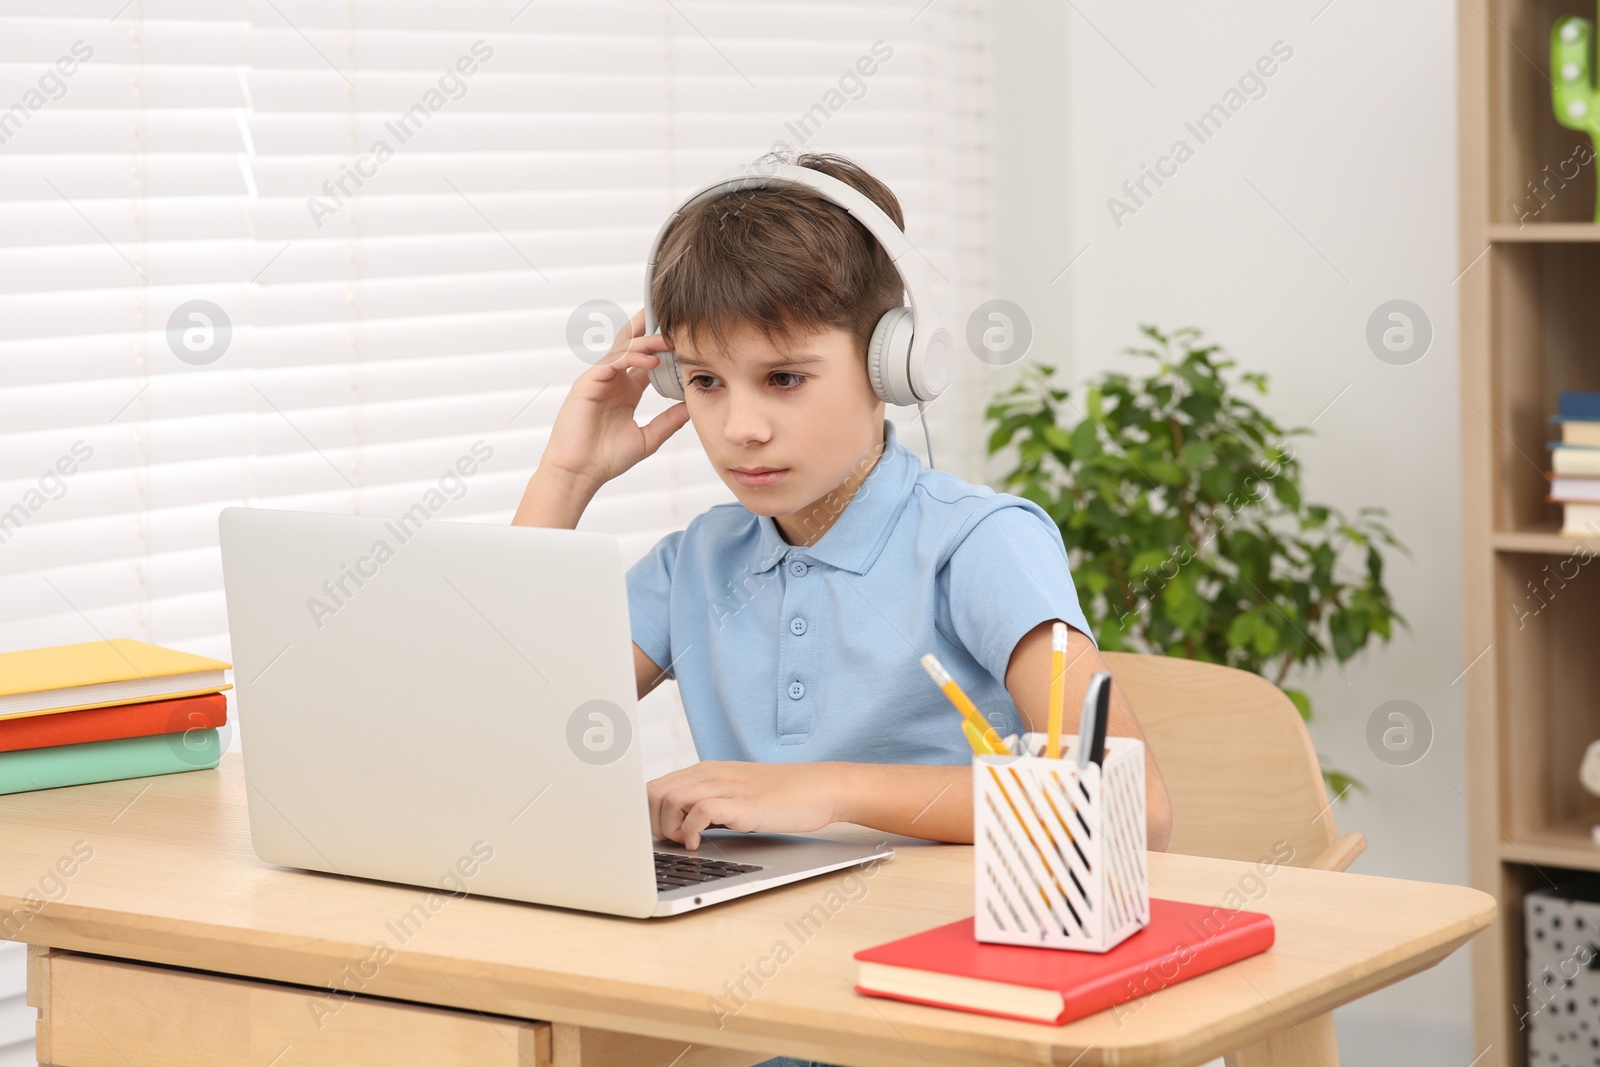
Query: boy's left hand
[{"x": 776, "y": 797}]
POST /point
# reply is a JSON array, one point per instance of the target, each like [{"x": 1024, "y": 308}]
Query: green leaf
[
  {"x": 1287, "y": 491},
  {"x": 1147, "y": 562},
  {"x": 1084, "y": 441},
  {"x": 1241, "y": 629},
  {"x": 1096, "y": 405},
  {"x": 1343, "y": 649},
  {"x": 1341, "y": 785},
  {"x": 1177, "y": 594},
  {"x": 1301, "y": 702},
  {"x": 1197, "y": 454},
  {"x": 1265, "y": 638},
  {"x": 1164, "y": 471}
]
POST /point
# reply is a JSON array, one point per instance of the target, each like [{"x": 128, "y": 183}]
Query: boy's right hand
[{"x": 594, "y": 438}]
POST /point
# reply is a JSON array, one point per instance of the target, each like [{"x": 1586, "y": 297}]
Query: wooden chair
[
  {"x": 1244, "y": 782},
  {"x": 1237, "y": 760}
]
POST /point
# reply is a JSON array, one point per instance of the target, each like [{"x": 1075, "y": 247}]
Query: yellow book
[{"x": 98, "y": 674}]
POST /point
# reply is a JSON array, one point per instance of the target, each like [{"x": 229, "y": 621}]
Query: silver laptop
[{"x": 452, "y": 705}]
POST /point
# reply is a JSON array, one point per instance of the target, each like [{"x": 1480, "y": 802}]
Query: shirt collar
[{"x": 853, "y": 542}]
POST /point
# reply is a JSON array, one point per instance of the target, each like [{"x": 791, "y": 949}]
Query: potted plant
[{"x": 1180, "y": 506}]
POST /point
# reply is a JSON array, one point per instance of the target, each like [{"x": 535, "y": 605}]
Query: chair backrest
[{"x": 1237, "y": 760}]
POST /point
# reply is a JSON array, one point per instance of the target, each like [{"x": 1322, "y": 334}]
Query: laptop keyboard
[{"x": 674, "y": 871}]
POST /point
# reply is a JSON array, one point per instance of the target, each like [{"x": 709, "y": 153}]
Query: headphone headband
[{"x": 902, "y": 372}]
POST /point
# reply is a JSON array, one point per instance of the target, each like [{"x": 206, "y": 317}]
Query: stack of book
[
  {"x": 107, "y": 710},
  {"x": 1575, "y": 464}
]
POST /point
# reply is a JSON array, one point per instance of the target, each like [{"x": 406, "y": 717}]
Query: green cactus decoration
[{"x": 1577, "y": 102}]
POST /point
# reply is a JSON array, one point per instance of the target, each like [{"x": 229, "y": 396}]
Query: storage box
[
  {"x": 1060, "y": 853},
  {"x": 1561, "y": 934}
]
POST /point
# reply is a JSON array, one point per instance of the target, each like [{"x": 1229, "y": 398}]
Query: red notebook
[
  {"x": 948, "y": 968},
  {"x": 110, "y": 723}
]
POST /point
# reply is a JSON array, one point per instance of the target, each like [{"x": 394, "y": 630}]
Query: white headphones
[{"x": 910, "y": 354}]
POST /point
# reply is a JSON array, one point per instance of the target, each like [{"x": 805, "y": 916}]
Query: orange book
[{"x": 108, "y": 724}]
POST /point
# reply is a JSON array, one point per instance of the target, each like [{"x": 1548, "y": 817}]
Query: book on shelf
[
  {"x": 1573, "y": 462},
  {"x": 95, "y": 674},
  {"x": 1579, "y": 405},
  {"x": 948, "y": 967},
  {"x": 1579, "y": 418},
  {"x": 1581, "y": 520},
  {"x": 1571, "y": 489},
  {"x": 1584, "y": 434}
]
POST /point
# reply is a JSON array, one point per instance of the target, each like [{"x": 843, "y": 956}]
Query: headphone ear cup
[
  {"x": 665, "y": 377},
  {"x": 889, "y": 357}
]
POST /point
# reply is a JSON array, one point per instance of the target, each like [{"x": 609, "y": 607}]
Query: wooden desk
[{"x": 172, "y": 883}]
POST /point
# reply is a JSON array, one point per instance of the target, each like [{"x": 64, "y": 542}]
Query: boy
[{"x": 794, "y": 620}]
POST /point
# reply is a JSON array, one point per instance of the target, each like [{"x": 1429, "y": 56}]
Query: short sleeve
[
  {"x": 649, "y": 583},
  {"x": 1007, "y": 576}
]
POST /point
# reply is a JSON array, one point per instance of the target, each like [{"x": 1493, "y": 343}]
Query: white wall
[{"x": 1333, "y": 192}]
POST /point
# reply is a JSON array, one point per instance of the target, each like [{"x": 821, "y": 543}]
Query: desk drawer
[{"x": 96, "y": 1012}]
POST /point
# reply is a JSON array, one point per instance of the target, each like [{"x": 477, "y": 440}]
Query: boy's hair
[{"x": 781, "y": 259}]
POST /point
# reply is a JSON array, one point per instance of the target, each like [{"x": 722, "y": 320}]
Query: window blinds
[{"x": 308, "y": 254}]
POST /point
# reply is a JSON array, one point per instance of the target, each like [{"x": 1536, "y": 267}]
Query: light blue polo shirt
[{"x": 787, "y": 654}]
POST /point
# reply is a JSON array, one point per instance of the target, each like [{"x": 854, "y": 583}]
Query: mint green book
[{"x": 108, "y": 761}]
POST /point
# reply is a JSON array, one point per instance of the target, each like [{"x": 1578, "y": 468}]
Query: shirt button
[
  {"x": 796, "y": 690},
  {"x": 797, "y": 626},
  {"x": 798, "y": 568}
]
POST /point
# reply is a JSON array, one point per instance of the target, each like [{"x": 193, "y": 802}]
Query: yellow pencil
[
  {"x": 963, "y": 704},
  {"x": 1058, "y": 686},
  {"x": 975, "y": 739}
]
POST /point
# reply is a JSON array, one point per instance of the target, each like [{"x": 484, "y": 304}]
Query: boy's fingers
[
  {"x": 620, "y": 365},
  {"x": 707, "y": 813},
  {"x": 666, "y": 820},
  {"x": 653, "y": 345},
  {"x": 664, "y": 425},
  {"x": 689, "y": 836},
  {"x": 663, "y": 811},
  {"x": 672, "y": 796},
  {"x": 679, "y": 801},
  {"x": 670, "y": 814}
]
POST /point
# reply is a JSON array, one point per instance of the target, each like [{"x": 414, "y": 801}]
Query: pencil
[
  {"x": 1058, "y": 686},
  {"x": 963, "y": 704},
  {"x": 975, "y": 739}
]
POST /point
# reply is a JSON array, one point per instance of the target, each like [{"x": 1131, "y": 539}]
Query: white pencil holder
[{"x": 1060, "y": 853}]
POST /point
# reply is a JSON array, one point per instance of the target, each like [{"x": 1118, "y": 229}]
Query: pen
[
  {"x": 964, "y": 704},
  {"x": 1092, "y": 730},
  {"x": 1058, "y": 686}
]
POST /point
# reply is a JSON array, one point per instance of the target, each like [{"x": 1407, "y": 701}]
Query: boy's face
[{"x": 804, "y": 409}]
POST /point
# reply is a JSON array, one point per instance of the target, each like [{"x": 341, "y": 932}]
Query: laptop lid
[{"x": 438, "y": 703}]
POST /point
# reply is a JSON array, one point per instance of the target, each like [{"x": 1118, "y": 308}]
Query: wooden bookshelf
[
  {"x": 1530, "y": 327},
  {"x": 1502, "y": 232}
]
